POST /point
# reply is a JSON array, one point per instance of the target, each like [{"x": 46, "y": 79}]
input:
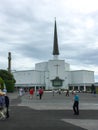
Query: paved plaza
[{"x": 52, "y": 112}]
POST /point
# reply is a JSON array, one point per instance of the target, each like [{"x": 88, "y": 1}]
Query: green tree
[
  {"x": 8, "y": 79},
  {"x": 1, "y": 83}
]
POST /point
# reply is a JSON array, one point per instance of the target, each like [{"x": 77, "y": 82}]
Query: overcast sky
[{"x": 27, "y": 27}]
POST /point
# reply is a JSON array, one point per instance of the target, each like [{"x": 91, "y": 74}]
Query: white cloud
[
  {"x": 90, "y": 23},
  {"x": 82, "y": 6}
]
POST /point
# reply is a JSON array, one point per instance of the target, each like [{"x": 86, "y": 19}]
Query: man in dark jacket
[{"x": 7, "y": 105}]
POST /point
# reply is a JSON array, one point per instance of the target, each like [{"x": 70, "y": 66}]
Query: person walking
[
  {"x": 67, "y": 92},
  {"x": 40, "y": 93},
  {"x": 76, "y": 104},
  {"x": 7, "y": 105},
  {"x": 31, "y": 91},
  {"x": 20, "y": 91}
]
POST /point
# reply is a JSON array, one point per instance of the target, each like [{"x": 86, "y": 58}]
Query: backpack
[{"x": 2, "y": 100}]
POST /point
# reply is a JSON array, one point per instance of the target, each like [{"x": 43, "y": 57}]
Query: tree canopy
[{"x": 7, "y": 79}]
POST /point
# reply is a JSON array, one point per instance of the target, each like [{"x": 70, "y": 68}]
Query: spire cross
[{"x": 57, "y": 69}]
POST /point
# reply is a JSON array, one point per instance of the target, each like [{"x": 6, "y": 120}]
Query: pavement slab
[{"x": 83, "y": 123}]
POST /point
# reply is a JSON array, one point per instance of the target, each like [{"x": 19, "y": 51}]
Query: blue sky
[{"x": 27, "y": 27}]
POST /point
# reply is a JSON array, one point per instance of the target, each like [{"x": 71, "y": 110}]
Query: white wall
[
  {"x": 56, "y": 68},
  {"x": 41, "y": 66},
  {"x": 81, "y": 76},
  {"x": 67, "y": 67},
  {"x": 67, "y": 78},
  {"x": 29, "y": 77}
]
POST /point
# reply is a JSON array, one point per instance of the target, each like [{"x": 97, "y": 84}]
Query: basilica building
[{"x": 54, "y": 74}]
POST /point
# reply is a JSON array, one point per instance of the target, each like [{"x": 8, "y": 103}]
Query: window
[{"x": 57, "y": 82}]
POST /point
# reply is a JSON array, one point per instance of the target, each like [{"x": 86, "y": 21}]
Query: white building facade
[{"x": 54, "y": 74}]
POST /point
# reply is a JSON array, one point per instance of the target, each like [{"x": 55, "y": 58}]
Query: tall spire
[{"x": 55, "y": 45}]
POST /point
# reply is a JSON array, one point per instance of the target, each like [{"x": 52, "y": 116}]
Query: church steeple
[{"x": 55, "y": 45}]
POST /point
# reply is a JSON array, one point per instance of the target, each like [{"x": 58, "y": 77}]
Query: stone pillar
[
  {"x": 78, "y": 88},
  {"x": 35, "y": 88},
  {"x": 9, "y": 62},
  {"x": 84, "y": 88}
]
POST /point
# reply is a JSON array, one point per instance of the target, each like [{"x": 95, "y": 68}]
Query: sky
[{"x": 27, "y": 29}]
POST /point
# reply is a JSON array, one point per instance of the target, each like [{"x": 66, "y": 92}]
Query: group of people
[
  {"x": 4, "y": 104},
  {"x": 39, "y": 93}
]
